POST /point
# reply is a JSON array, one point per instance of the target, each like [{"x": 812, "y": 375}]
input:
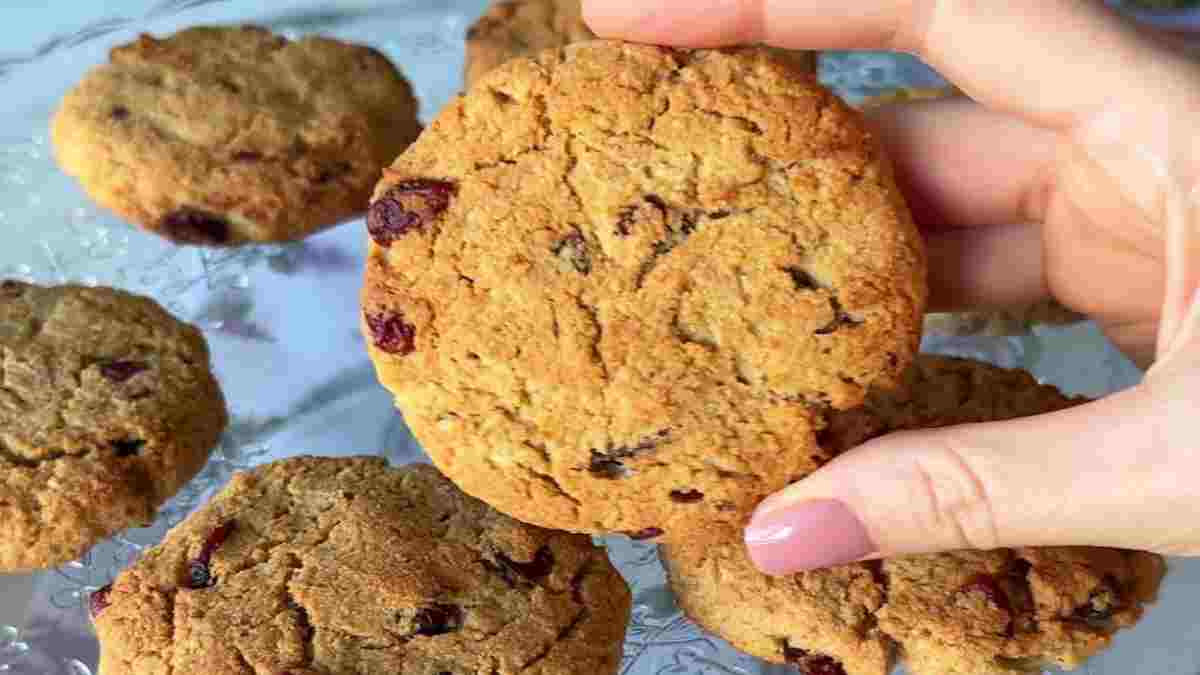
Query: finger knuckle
[{"x": 960, "y": 507}]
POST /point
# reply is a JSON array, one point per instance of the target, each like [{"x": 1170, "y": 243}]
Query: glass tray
[{"x": 282, "y": 320}]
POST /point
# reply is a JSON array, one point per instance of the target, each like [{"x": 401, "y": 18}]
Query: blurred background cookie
[
  {"x": 512, "y": 28},
  {"x": 965, "y": 613},
  {"x": 221, "y": 136},
  {"x": 314, "y": 565},
  {"x": 107, "y": 407}
]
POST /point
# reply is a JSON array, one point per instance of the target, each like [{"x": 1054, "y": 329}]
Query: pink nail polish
[{"x": 806, "y": 536}]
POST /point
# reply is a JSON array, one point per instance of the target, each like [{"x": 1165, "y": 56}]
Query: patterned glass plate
[{"x": 282, "y": 320}]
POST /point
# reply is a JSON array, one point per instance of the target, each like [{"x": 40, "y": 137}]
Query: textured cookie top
[
  {"x": 612, "y": 287},
  {"x": 514, "y": 28},
  {"x": 339, "y": 566},
  {"x": 225, "y": 135},
  {"x": 107, "y": 407},
  {"x": 967, "y": 613}
]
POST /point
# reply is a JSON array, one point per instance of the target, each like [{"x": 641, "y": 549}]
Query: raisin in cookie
[
  {"x": 964, "y": 613},
  {"x": 341, "y": 566},
  {"x": 611, "y": 288},
  {"x": 221, "y": 136},
  {"x": 513, "y": 28},
  {"x": 107, "y": 407}
]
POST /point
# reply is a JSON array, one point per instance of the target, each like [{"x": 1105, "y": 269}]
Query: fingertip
[
  {"x": 805, "y": 536},
  {"x": 612, "y": 18},
  {"x": 680, "y": 23}
]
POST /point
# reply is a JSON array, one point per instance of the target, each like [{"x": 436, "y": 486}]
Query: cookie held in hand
[{"x": 615, "y": 288}]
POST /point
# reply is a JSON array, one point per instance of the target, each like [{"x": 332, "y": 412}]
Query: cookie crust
[
  {"x": 321, "y": 565},
  {"x": 107, "y": 407},
  {"x": 963, "y": 613},
  {"x": 630, "y": 316},
  {"x": 225, "y": 135}
]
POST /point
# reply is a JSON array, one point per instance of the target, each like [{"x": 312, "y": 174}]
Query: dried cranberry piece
[
  {"x": 541, "y": 566},
  {"x": 512, "y": 571},
  {"x": 98, "y": 602},
  {"x": 407, "y": 206},
  {"x": 812, "y": 664},
  {"x": 128, "y": 447},
  {"x": 194, "y": 226},
  {"x": 646, "y": 534},
  {"x": 438, "y": 620},
  {"x": 119, "y": 112},
  {"x": 247, "y": 156},
  {"x": 687, "y": 496},
  {"x": 825, "y": 665},
  {"x": 199, "y": 574},
  {"x": 391, "y": 333},
  {"x": 120, "y": 371}
]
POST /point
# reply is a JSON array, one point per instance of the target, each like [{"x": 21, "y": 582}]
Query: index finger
[{"x": 1055, "y": 61}]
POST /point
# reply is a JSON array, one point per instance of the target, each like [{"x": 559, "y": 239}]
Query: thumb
[{"x": 1096, "y": 474}]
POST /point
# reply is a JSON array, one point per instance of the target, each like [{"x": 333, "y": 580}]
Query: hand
[{"x": 1074, "y": 177}]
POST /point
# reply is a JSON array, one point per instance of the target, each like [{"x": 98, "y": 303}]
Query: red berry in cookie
[
  {"x": 391, "y": 333},
  {"x": 407, "y": 206},
  {"x": 193, "y": 226},
  {"x": 98, "y": 602},
  {"x": 199, "y": 574},
  {"x": 812, "y": 664},
  {"x": 120, "y": 371}
]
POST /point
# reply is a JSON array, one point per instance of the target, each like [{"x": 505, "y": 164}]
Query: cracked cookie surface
[
  {"x": 613, "y": 288},
  {"x": 348, "y": 566},
  {"x": 964, "y": 613},
  {"x": 107, "y": 407},
  {"x": 221, "y": 136},
  {"x": 510, "y": 29}
]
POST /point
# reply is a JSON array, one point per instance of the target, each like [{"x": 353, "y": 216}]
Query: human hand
[{"x": 1074, "y": 177}]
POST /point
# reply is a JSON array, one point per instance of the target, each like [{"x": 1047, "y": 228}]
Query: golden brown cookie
[
  {"x": 107, "y": 407},
  {"x": 221, "y": 136},
  {"x": 964, "y": 613},
  {"x": 340, "y": 566},
  {"x": 626, "y": 316},
  {"x": 515, "y": 28}
]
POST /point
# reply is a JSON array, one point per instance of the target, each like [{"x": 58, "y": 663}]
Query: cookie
[
  {"x": 514, "y": 28},
  {"x": 1008, "y": 321},
  {"x": 221, "y": 136},
  {"x": 107, "y": 407},
  {"x": 965, "y": 613},
  {"x": 339, "y": 566},
  {"x": 626, "y": 317}
]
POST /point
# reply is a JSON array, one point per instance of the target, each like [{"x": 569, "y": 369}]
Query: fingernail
[{"x": 806, "y": 536}]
